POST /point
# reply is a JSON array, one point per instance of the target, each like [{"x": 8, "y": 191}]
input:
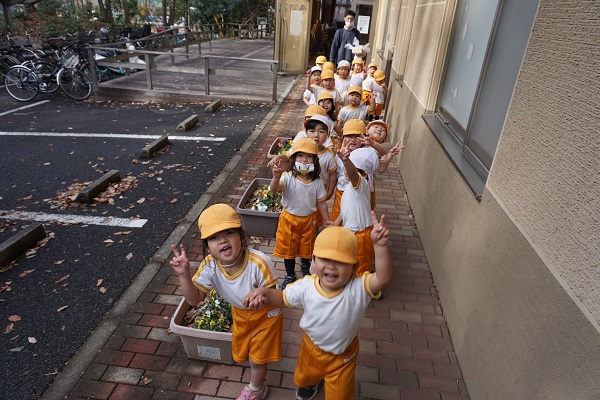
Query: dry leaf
[
  {"x": 32, "y": 340},
  {"x": 122, "y": 233},
  {"x": 61, "y": 308},
  {"x": 14, "y": 318},
  {"x": 9, "y": 328},
  {"x": 59, "y": 262},
  {"x": 63, "y": 278},
  {"x": 103, "y": 289},
  {"x": 147, "y": 381},
  {"x": 109, "y": 241},
  {"x": 99, "y": 282},
  {"x": 173, "y": 201},
  {"x": 25, "y": 273},
  {"x": 129, "y": 256},
  {"x": 140, "y": 201},
  {"x": 28, "y": 197}
]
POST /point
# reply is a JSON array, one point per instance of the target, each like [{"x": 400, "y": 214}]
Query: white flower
[{"x": 261, "y": 207}]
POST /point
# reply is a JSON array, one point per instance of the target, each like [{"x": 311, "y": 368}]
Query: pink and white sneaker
[{"x": 260, "y": 395}]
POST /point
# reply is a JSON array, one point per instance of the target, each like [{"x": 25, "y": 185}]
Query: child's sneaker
[
  {"x": 287, "y": 280},
  {"x": 307, "y": 392},
  {"x": 305, "y": 268},
  {"x": 249, "y": 395}
]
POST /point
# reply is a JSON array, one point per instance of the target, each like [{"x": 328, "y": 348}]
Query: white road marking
[
  {"x": 73, "y": 219},
  {"x": 24, "y": 107},
  {"x": 112, "y": 136}
]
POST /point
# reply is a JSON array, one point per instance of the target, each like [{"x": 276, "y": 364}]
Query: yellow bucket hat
[
  {"x": 338, "y": 244},
  {"x": 372, "y": 65},
  {"x": 354, "y": 127},
  {"x": 378, "y": 75},
  {"x": 328, "y": 65},
  {"x": 314, "y": 109},
  {"x": 355, "y": 89},
  {"x": 217, "y": 218},
  {"x": 304, "y": 145},
  {"x": 326, "y": 74},
  {"x": 321, "y": 60},
  {"x": 325, "y": 95}
]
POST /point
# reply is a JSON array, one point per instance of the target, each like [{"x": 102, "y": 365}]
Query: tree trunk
[
  {"x": 172, "y": 13},
  {"x": 164, "y": 11},
  {"x": 7, "y": 17}
]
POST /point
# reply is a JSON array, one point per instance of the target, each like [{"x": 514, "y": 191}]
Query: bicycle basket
[{"x": 71, "y": 61}]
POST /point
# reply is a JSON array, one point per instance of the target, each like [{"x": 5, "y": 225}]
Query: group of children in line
[{"x": 336, "y": 264}]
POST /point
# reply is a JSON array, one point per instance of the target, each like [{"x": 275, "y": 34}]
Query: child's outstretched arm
[
  {"x": 322, "y": 207},
  {"x": 388, "y": 158},
  {"x": 181, "y": 265},
  {"x": 379, "y": 148},
  {"x": 380, "y": 235},
  {"x": 308, "y": 81},
  {"x": 331, "y": 184},
  {"x": 262, "y": 296}
]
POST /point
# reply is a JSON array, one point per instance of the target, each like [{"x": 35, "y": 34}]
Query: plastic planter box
[
  {"x": 257, "y": 223},
  {"x": 276, "y": 142},
  {"x": 201, "y": 344}
]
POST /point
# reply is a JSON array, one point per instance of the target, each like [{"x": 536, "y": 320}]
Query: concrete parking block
[
  {"x": 98, "y": 186},
  {"x": 149, "y": 150},
  {"x": 21, "y": 242},
  {"x": 188, "y": 123},
  {"x": 213, "y": 106}
]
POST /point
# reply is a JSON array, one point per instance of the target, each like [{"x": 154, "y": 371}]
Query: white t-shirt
[
  {"x": 347, "y": 113},
  {"x": 328, "y": 163},
  {"x": 380, "y": 99},
  {"x": 342, "y": 85},
  {"x": 355, "y": 206},
  {"x": 300, "y": 198},
  {"x": 337, "y": 97},
  {"x": 257, "y": 269},
  {"x": 368, "y": 83},
  {"x": 331, "y": 320},
  {"x": 342, "y": 182}
]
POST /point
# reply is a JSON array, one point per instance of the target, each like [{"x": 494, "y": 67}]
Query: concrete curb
[
  {"x": 74, "y": 369},
  {"x": 98, "y": 186},
  {"x": 213, "y": 106},
  {"x": 150, "y": 149},
  {"x": 21, "y": 242},
  {"x": 188, "y": 123}
]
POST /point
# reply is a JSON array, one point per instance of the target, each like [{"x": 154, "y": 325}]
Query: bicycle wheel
[
  {"x": 7, "y": 61},
  {"x": 74, "y": 83},
  {"x": 21, "y": 83},
  {"x": 45, "y": 73}
]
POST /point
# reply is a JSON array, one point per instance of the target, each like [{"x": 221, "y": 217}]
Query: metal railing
[{"x": 165, "y": 43}]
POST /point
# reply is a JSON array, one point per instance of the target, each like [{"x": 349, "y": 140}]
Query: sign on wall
[{"x": 363, "y": 24}]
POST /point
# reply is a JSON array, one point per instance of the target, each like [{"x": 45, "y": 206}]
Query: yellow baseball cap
[
  {"x": 314, "y": 109},
  {"x": 379, "y": 122},
  {"x": 372, "y": 65},
  {"x": 357, "y": 61},
  {"x": 326, "y": 74},
  {"x": 338, "y": 244},
  {"x": 304, "y": 145},
  {"x": 379, "y": 75},
  {"x": 355, "y": 89},
  {"x": 328, "y": 65},
  {"x": 354, "y": 127},
  {"x": 321, "y": 60},
  {"x": 217, "y": 218},
  {"x": 325, "y": 95}
]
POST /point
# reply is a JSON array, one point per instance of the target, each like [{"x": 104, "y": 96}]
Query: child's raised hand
[
  {"x": 180, "y": 262},
  {"x": 396, "y": 149},
  {"x": 344, "y": 152},
  {"x": 276, "y": 168},
  {"x": 380, "y": 235},
  {"x": 366, "y": 140}
]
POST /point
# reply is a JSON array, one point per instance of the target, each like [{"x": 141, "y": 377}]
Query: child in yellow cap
[
  {"x": 354, "y": 138},
  {"x": 368, "y": 82},
  {"x": 380, "y": 89},
  {"x": 233, "y": 269},
  {"x": 317, "y": 129},
  {"x": 314, "y": 76},
  {"x": 354, "y": 109},
  {"x": 328, "y": 65},
  {"x": 355, "y": 205},
  {"x": 302, "y": 194},
  {"x": 328, "y": 84},
  {"x": 334, "y": 301},
  {"x": 342, "y": 77},
  {"x": 320, "y": 61}
]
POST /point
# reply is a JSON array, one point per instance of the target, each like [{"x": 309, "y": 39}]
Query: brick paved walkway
[{"x": 406, "y": 352}]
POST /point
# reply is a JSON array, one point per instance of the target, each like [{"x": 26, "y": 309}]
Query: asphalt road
[{"x": 62, "y": 289}]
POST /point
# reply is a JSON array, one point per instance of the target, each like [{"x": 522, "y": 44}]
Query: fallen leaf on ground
[
  {"x": 16, "y": 348},
  {"x": 59, "y": 262},
  {"x": 25, "y": 273},
  {"x": 109, "y": 241},
  {"x": 140, "y": 201},
  {"x": 122, "y": 233},
  {"x": 32, "y": 340},
  {"x": 147, "y": 381},
  {"x": 129, "y": 256},
  {"x": 61, "y": 308},
  {"x": 103, "y": 289},
  {"x": 173, "y": 201},
  {"x": 14, "y": 318},
  {"x": 9, "y": 328},
  {"x": 63, "y": 278},
  {"x": 99, "y": 282}
]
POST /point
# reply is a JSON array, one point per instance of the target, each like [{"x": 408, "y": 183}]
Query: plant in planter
[
  {"x": 213, "y": 314},
  {"x": 281, "y": 145},
  {"x": 263, "y": 199}
]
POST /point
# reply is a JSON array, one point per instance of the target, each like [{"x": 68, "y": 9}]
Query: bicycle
[{"x": 23, "y": 84}]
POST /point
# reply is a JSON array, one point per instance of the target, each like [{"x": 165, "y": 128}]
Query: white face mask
[
  {"x": 304, "y": 168},
  {"x": 349, "y": 25}
]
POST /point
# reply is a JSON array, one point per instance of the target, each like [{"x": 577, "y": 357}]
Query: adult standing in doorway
[{"x": 343, "y": 36}]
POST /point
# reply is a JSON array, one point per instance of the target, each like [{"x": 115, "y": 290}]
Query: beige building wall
[
  {"x": 292, "y": 35},
  {"x": 517, "y": 272}
]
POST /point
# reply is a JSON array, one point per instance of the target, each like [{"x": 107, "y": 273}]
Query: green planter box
[
  {"x": 201, "y": 344},
  {"x": 257, "y": 223}
]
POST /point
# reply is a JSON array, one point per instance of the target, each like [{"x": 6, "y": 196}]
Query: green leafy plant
[
  {"x": 213, "y": 314},
  {"x": 263, "y": 199},
  {"x": 284, "y": 146}
]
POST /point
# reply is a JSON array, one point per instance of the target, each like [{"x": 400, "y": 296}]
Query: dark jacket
[{"x": 338, "y": 50}]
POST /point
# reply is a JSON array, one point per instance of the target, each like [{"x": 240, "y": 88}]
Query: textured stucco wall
[
  {"x": 547, "y": 168},
  {"x": 517, "y": 332}
]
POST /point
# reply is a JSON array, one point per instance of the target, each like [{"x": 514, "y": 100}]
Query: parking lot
[{"x": 49, "y": 151}]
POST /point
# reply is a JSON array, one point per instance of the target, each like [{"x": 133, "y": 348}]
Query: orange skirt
[{"x": 295, "y": 236}]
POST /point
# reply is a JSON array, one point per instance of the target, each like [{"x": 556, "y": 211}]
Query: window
[
  {"x": 403, "y": 37},
  {"x": 485, "y": 52}
]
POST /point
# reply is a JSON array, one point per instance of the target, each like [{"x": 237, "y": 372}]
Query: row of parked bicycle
[{"x": 57, "y": 63}]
